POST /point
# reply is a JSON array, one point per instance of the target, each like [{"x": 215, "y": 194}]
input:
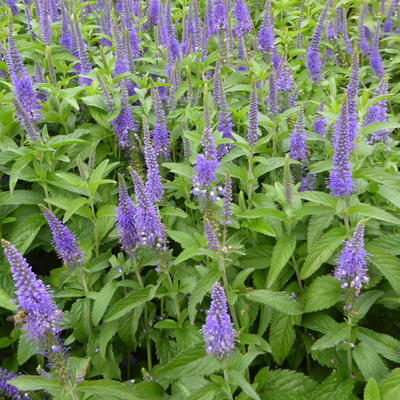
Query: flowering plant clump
[{"x": 199, "y": 200}]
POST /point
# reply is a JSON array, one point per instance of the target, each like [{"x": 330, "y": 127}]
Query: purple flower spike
[
  {"x": 362, "y": 40},
  {"x": 124, "y": 123},
  {"x": 340, "y": 180},
  {"x": 272, "y": 95},
  {"x": 243, "y": 21},
  {"x": 307, "y": 182},
  {"x": 160, "y": 132},
  {"x": 153, "y": 12},
  {"x": 33, "y": 296},
  {"x": 378, "y": 113},
  {"x": 266, "y": 35},
  {"x": 64, "y": 242},
  {"x": 375, "y": 58},
  {"x": 211, "y": 235},
  {"x": 219, "y": 335},
  {"x": 219, "y": 15},
  {"x": 225, "y": 124},
  {"x": 320, "y": 122},
  {"x": 351, "y": 270},
  {"x": 253, "y": 115},
  {"x": 226, "y": 212},
  {"x": 298, "y": 150},
  {"x": 125, "y": 218},
  {"x": 9, "y": 390},
  {"x": 313, "y": 60},
  {"x": 153, "y": 185},
  {"x": 148, "y": 223},
  {"x": 352, "y": 91}
]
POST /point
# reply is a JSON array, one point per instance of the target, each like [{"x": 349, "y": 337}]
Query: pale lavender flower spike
[
  {"x": 218, "y": 333},
  {"x": 375, "y": 58},
  {"x": 351, "y": 270},
  {"x": 298, "y": 150}
]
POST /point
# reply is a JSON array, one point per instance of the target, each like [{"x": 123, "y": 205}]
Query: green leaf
[
  {"x": 5, "y": 301},
  {"x": 338, "y": 386},
  {"x": 261, "y": 226},
  {"x": 25, "y": 350},
  {"x": 366, "y": 301},
  {"x": 389, "y": 387},
  {"x": 387, "y": 264},
  {"x": 179, "y": 169},
  {"x": 123, "y": 306},
  {"x": 332, "y": 338},
  {"x": 368, "y": 210},
  {"x": 191, "y": 361},
  {"x": 74, "y": 206},
  {"x": 282, "y": 335},
  {"x": 316, "y": 226},
  {"x": 280, "y": 301},
  {"x": 262, "y": 212},
  {"x": 104, "y": 388},
  {"x": 385, "y": 345},
  {"x": 284, "y": 385},
  {"x": 28, "y": 383},
  {"x": 96, "y": 100},
  {"x": 379, "y": 126},
  {"x": 187, "y": 253},
  {"x": 101, "y": 302},
  {"x": 324, "y": 292},
  {"x": 319, "y": 198},
  {"x": 183, "y": 238},
  {"x": 23, "y": 233},
  {"x": 20, "y": 197},
  {"x": 322, "y": 250},
  {"x": 241, "y": 277},
  {"x": 202, "y": 288},
  {"x": 369, "y": 362},
  {"x": 281, "y": 254},
  {"x": 239, "y": 379},
  {"x": 371, "y": 391},
  {"x": 17, "y": 167}
]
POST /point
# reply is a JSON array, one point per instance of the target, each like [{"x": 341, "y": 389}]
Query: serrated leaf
[
  {"x": 319, "y": 198},
  {"x": 5, "y": 301},
  {"x": 17, "y": 167},
  {"x": 27, "y": 383},
  {"x": 316, "y": 225},
  {"x": 25, "y": 350},
  {"x": 241, "y": 277},
  {"x": 186, "y": 254},
  {"x": 337, "y": 386},
  {"x": 385, "y": 345},
  {"x": 281, "y": 254},
  {"x": 369, "y": 362},
  {"x": 191, "y": 361},
  {"x": 322, "y": 250},
  {"x": 280, "y": 301},
  {"x": 368, "y": 210},
  {"x": 20, "y": 197},
  {"x": 282, "y": 336},
  {"x": 366, "y": 301},
  {"x": 239, "y": 379},
  {"x": 101, "y": 302},
  {"x": 389, "y": 387},
  {"x": 107, "y": 331},
  {"x": 179, "y": 169},
  {"x": 74, "y": 206},
  {"x": 371, "y": 391},
  {"x": 128, "y": 303},
  {"x": 185, "y": 239},
  {"x": 331, "y": 339},
  {"x": 324, "y": 292},
  {"x": 387, "y": 264},
  {"x": 285, "y": 385},
  {"x": 202, "y": 288},
  {"x": 262, "y": 212},
  {"x": 104, "y": 387},
  {"x": 379, "y": 126}
]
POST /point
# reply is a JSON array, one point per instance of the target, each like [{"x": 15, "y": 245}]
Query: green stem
[
  {"x": 226, "y": 378},
  {"x": 146, "y": 320},
  {"x": 346, "y": 216},
  {"x": 174, "y": 296},
  {"x": 349, "y": 353},
  {"x": 250, "y": 179},
  {"x": 96, "y": 228}
]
